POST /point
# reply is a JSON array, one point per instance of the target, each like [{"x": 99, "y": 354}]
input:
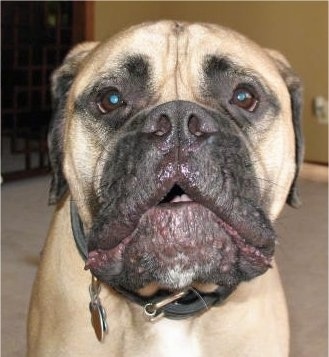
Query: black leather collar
[
  {"x": 78, "y": 233},
  {"x": 191, "y": 304}
]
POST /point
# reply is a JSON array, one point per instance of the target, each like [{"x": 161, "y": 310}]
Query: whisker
[{"x": 200, "y": 297}]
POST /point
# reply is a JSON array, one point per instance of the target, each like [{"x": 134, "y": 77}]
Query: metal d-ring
[{"x": 153, "y": 309}]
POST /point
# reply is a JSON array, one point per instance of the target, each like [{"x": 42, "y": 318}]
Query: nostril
[
  {"x": 163, "y": 126},
  {"x": 201, "y": 125},
  {"x": 194, "y": 125}
]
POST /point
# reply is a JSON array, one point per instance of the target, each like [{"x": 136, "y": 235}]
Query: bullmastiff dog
[{"x": 174, "y": 147}]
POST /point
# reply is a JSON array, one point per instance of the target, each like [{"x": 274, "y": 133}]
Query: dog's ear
[
  {"x": 295, "y": 89},
  {"x": 61, "y": 81}
]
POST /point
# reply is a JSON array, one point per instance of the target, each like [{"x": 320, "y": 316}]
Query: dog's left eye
[
  {"x": 110, "y": 101},
  {"x": 245, "y": 99}
]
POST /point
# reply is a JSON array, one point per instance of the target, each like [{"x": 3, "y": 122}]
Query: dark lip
[
  {"x": 260, "y": 236},
  {"x": 126, "y": 229},
  {"x": 258, "y": 256},
  {"x": 257, "y": 232},
  {"x": 173, "y": 205}
]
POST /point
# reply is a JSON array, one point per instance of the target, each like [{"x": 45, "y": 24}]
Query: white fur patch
[
  {"x": 179, "y": 277},
  {"x": 174, "y": 338}
]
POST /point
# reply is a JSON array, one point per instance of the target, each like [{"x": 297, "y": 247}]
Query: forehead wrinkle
[
  {"x": 124, "y": 68},
  {"x": 183, "y": 51},
  {"x": 166, "y": 66},
  {"x": 216, "y": 64}
]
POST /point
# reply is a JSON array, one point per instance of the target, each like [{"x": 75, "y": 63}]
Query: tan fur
[{"x": 253, "y": 321}]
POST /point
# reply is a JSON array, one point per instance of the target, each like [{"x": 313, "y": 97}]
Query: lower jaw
[
  {"x": 199, "y": 237},
  {"x": 204, "y": 279}
]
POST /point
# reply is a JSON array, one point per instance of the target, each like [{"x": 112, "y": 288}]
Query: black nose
[{"x": 181, "y": 119}]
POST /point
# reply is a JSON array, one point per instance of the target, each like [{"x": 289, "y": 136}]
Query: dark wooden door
[{"x": 36, "y": 35}]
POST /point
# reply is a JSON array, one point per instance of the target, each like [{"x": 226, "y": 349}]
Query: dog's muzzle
[{"x": 179, "y": 204}]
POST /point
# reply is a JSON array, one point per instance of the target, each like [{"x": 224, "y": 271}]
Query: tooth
[{"x": 183, "y": 198}]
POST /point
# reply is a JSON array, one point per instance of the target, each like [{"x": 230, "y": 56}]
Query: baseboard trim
[{"x": 314, "y": 172}]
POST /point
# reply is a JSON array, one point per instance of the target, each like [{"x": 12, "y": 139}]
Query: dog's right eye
[
  {"x": 245, "y": 99},
  {"x": 111, "y": 100}
]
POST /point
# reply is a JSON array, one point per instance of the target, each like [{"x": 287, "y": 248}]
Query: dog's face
[{"x": 180, "y": 144}]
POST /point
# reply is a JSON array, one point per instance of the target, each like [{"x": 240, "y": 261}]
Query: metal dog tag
[
  {"x": 97, "y": 311},
  {"x": 98, "y": 320}
]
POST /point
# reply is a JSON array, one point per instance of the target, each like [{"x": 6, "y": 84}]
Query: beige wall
[{"x": 297, "y": 29}]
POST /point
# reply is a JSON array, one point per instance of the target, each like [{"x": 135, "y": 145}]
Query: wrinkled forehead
[{"x": 167, "y": 45}]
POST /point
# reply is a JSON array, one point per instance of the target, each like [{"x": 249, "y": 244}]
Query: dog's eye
[
  {"x": 245, "y": 99},
  {"x": 110, "y": 101}
]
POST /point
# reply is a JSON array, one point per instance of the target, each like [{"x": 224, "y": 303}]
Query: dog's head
[{"x": 179, "y": 143}]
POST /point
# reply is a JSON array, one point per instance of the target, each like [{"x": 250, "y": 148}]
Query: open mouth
[{"x": 176, "y": 195}]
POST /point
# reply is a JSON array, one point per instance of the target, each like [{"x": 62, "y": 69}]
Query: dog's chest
[{"x": 175, "y": 338}]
